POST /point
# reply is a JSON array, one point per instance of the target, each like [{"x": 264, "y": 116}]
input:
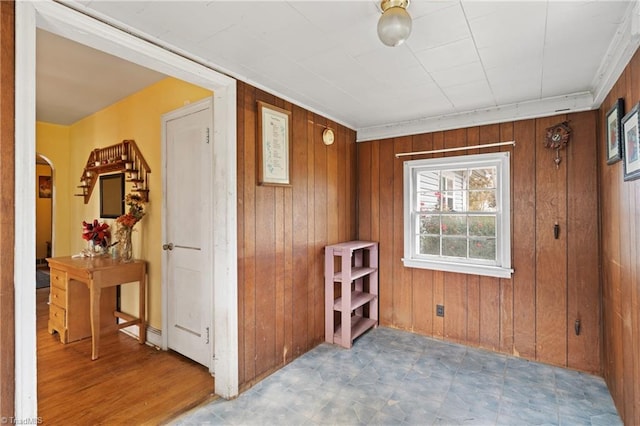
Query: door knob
[{"x": 167, "y": 246}]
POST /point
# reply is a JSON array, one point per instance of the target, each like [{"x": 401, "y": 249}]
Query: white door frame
[
  {"x": 207, "y": 269},
  {"x": 66, "y": 22}
]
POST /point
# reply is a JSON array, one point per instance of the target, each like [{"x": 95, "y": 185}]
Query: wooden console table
[{"x": 69, "y": 302}]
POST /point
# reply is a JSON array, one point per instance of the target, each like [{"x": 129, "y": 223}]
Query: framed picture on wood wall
[
  {"x": 614, "y": 135},
  {"x": 631, "y": 144},
  {"x": 274, "y": 145}
]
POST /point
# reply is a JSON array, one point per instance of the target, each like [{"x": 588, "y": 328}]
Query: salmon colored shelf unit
[{"x": 351, "y": 290}]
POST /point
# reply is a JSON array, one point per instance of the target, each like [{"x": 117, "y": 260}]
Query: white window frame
[{"x": 501, "y": 268}]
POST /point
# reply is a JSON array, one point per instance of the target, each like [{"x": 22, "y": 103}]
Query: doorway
[
  {"x": 44, "y": 210},
  {"x": 64, "y": 21}
]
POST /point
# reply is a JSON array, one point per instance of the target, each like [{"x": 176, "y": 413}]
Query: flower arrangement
[
  {"x": 96, "y": 232},
  {"x": 135, "y": 213},
  {"x": 126, "y": 222}
]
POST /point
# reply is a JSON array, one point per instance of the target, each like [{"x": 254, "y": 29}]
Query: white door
[{"x": 188, "y": 202}]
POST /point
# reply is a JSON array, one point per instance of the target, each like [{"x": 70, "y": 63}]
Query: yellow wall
[
  {"x": 136, "y": 117},
  {"x": 52, "y": 142},
  {"x": 43, "y": 214}
]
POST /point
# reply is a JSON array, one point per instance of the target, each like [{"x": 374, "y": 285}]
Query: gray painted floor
[{"x": 392, "y": 377}]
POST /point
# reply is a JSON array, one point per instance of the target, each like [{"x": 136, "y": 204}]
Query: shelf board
[
  {"x": 358, "y": 298},
  {"x": 356, "y": 272},
  {"x": 358, "y": 326}
]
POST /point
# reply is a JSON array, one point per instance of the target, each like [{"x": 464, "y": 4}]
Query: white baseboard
[{"x": 154, "y": 336}]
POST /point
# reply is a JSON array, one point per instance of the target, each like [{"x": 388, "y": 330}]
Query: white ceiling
[{"x": 466, "y": 61}]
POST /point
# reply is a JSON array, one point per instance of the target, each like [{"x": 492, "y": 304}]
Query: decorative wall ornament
[{"x": 557, "y": 137}]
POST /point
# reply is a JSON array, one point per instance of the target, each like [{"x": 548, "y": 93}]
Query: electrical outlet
[{"x": 440, "y": 310}]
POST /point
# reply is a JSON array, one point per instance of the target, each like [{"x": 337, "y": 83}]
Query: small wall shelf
[
  {"x": 356, "y": 300},
  {"x": 122, "y": 157}
]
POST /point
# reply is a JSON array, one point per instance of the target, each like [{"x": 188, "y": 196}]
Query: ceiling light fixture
[{"x": 394, "y": 25}]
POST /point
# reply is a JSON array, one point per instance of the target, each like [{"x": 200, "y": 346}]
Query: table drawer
[
  {"x": 57, "y": 316},
  {"x": 58, "y": 278},
  {"x": 58, "y": 297}
]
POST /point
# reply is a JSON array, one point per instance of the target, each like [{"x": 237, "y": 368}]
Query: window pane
[
  {"x": 484, "y": 178},
  {"x": 454, "y": 225},
  {"x": 429, "y": 245},
  {"x": 430, "y": 225},
  {"x": 453, "y": 179},
  {"x": 484, "y": 226},
  {"x": 429, "y": 201},
  {"x": 455, "y": 247},
  {"x": 482, "y": 248},
  {"x": 482, "y": 201}
]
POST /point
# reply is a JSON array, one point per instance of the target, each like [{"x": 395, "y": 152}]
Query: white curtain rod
[{"x": 462, "y": 148}]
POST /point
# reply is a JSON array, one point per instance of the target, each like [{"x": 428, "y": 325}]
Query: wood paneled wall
[
  {"x": 620, "y": 249},
  {"x": 555, "y": 282},
  {"x": 7, "y": 223},
  {"x": 282, "y": 232}
]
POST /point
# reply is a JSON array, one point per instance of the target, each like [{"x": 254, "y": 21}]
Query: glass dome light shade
[{"x": 394, "y": 26}]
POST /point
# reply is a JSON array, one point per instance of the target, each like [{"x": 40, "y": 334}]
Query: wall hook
[
  {"x": 577, "y": 327},
  {"x": 556, "y": 230}
]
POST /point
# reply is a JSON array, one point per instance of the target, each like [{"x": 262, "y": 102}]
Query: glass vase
[
  {"x": 125, "y": 248},
  {"x": 94, "y": 250}
]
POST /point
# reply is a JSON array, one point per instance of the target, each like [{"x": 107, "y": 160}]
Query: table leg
[
  {"x": 142, "y": 335},
  {"x": 94, "y": 312}
]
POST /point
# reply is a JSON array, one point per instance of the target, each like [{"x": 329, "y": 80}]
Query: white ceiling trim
[
  {"x": 623, "y": 46},
  {"x": 519, "y": 111}
]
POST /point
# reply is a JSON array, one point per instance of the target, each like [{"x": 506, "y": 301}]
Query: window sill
[{"x": 490, "y": 271}]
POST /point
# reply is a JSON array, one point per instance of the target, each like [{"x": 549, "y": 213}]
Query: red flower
[{"x": 97, "y": 232}]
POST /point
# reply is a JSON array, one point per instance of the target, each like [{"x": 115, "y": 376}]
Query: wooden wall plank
[
  {"x": 365, "y": 196},
  {"x": 333, "y": 190},
  {"x": 343, "y": 184},
  {"x": 582, "y": 230},
  {"x": 551, "y": 257},
  {"x": 321, "y": 229},
  {"x": 421, "y": 279},
  {"x": 385, "y": 248},
  {"x": 523, "y": 204},
  {"x": 248, "y": 217},
  {"x": 300, "y": 235},
  {"x": 310, "y": 245},
  {"x": 374, "y": 234},
  {"x": 265, "y": 288},
  {"x": 402, "y": 296},
  {"x": 279, "y": 265},
  {"x": 506, "y": 285},
  {"x": 7, "y": 211}
]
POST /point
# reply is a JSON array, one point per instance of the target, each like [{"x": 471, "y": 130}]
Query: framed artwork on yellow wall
[{"x": 44, "y": 187}]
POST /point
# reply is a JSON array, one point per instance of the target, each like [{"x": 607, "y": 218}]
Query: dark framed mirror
[{"x": 112, "y": 195}]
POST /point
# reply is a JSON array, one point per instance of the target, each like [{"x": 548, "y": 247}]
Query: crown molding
[{"x": 582, "y": 101}]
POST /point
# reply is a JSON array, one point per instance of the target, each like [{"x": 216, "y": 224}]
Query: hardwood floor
[{"x": 129, "y": 384}]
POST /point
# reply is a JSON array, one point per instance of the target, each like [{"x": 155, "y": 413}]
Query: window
[{"x": 457, "y": 214}]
